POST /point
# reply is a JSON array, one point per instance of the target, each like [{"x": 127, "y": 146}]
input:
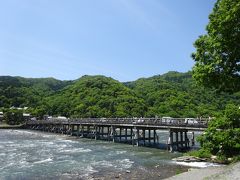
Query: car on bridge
[
  {"x": 191, "y": 121},
  {"x": 167, "y": 120}
]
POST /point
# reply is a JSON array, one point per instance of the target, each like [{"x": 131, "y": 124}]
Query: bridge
[{"x": 135, "y": 131}]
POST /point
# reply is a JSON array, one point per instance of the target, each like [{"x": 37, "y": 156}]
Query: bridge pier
[
  {"x": 120, "y": 134},
  {"x": 154, "y": 135},
  {"x": 126, "y": 134},
  {"x": 78, "y": 130},
  {"x": 113, "y": 132},
  {"x": 149, "y": 136},
  {"x": 178, "y": 145},
  {"x": 137, "y": 137},
  {"x": 181, "y": 138},
  {"x": 143, "y": 137}
]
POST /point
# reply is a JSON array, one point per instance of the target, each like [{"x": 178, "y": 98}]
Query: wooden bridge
[{"x": 135, "y": 131}]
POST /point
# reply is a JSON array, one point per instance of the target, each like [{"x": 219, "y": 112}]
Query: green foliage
[
  {"x": 176, "y": 94},
  {"x": 222, "y": 136},
  {"x": 172, "y": 94},
  {"x": 217, "y": 53},
  {"x": 13, "y": 117},
  {"x": 96, "y": 96},
  {"x": 20, "y": 92},
  {"x": 202, "y": 153}
]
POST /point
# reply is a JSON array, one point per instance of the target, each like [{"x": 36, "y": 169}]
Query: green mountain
[
  {"x": 96, "y": 96},
  {"x": 172, "y": 94},
  {"x": 176, "y": 94},
  {"x": 20, "y": 92}
]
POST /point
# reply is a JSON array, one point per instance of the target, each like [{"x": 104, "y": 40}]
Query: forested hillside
[
  {"x": 172, "y": 94},
  {"x": 177, "y": 95},
  {"x": 20, "y": 92},
  {"x": 96, "y": 96}
]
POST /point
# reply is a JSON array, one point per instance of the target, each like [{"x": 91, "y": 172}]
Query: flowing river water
[{"x": 36, "y": 155}]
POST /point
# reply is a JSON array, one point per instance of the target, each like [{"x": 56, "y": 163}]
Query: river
[{"x": 35, "y": 155}]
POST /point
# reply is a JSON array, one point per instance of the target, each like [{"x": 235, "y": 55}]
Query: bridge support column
[
  {"x": 149, "y": 136},
  {"x": 108, "y": 133},
  {"x": 170, "y": 141},
  {"x": 62, "y": 127},
  {"x": 132, "y": 136},
  {"x": 113, "y": 133},
  {"x": 186, "y": 139},
  {"x": 88, "y": 131},
  {"x": 193, "y": 138},
  {"x": 137, "y": 137},
  {"x": 82, "y": 130},
  {"x": 181, "y": 139},
  {"x": 78, "y": 130},
  {"x": 102, "y": 132},
  {"x": 96, "y": 132},
  {"x": 126, "y": 134},
  {"x": 65, "y": 129},
  {"x": 177, "y": 143},
  {"x": 154, "y": 136},
  {"x": 144, "y": 137},
  {"x": 72, "y": 130},
  {"x": 120, "y": 134}
]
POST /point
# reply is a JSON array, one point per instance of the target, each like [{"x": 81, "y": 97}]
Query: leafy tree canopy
[
  {"x": 172, "y": 94},
  {"x": 217, "y": 53},
  {"x": 222, "y": 136}
]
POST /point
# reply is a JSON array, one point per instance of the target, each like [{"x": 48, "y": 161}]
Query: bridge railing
[{"x": 185, "y": 122}]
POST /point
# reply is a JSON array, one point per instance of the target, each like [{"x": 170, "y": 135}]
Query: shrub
[{"x": 222, "y": 137}]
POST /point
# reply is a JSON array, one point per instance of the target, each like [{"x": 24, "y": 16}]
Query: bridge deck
[{"x": 174, "y": 123}]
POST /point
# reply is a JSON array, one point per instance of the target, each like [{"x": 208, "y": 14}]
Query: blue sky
[{"x": 124, "y": 39}]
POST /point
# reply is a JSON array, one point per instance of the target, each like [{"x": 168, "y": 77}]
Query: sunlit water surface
[{"x": 36, "y": 155}]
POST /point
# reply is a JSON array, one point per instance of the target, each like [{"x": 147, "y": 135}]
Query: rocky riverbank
[
  {"x": 154, "y": 173},
  {"x": 211, "y": 171},
  {"x": 231, "y": 172}
]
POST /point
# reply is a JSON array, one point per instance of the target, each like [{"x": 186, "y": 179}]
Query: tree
[
  {"x": 14, "y": 117},
  {"x": 222, "y": 136},
  {"x": 217, "y": 53},
  {"x": 217, "y": 65}
]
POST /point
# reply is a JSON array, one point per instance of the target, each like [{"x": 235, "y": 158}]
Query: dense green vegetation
[
  {"x": 176, "y": 94},
  {"x": 222, "y": 138},
  {"x": 13, "y": 117},
  {"x": 217, "y": 53},
  {"x": 172, "y": 94},
  {"x": 96, "y": 96},
  {"x": 218, "y": 65},
  {"x": 20, "y": 92}
]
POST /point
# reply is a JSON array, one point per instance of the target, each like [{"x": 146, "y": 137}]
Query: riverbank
[
  {"x": 7, "y": 126},
  {"x": 221, "y": 173},
  {"x": 162, "y": 171}
]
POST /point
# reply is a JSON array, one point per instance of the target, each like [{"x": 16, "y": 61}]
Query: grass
[
  {"x": 200, "y": 153},
  {"x": 179, "y": 171}
]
